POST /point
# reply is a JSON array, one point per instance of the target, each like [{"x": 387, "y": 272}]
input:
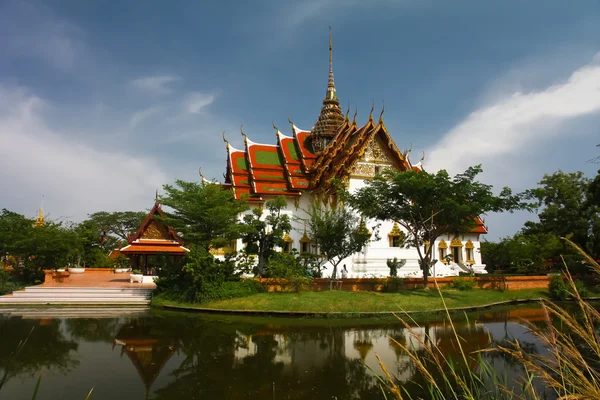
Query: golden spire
[
  {"x": 40, "y": 219},
  {"x": 331, "y": 116},
  {"x": 330, "y": 85}
]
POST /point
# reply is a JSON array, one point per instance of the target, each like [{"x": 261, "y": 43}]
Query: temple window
[
  {"x": 396, "y": 237},
  {"x": 287, "y": 243},
  {"x": 456, "y": 246},
  {"x": 304, "y": 248},
  {"x": 469, "y": 250},
  {"x": 377, "y": 170},
  {"x": 442, "y": 251}
]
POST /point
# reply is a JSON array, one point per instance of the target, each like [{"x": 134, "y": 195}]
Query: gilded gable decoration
[
  {"x": 456, "y": 242},
  {"x": 287, "y": 238},
  {"x": 442, "y": 244},
  {"x": 155, "y": 231},
  {"x": 469, "y": 245}
]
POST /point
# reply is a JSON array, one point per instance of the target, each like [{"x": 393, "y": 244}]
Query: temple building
[
  {"x": 301, "y": 166},
  {"x": 153, "y": 239}
]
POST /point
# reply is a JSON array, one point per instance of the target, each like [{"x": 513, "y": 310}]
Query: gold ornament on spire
[{"x": 40, "y": 219}]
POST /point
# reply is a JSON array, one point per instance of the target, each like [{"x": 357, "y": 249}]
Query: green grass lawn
[{"x": 363, "y": 302}]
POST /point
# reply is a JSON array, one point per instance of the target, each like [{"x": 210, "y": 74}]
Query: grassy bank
[{"x": 361, "y": 302}]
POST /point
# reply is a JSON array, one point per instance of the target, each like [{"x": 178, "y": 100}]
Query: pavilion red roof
[{"x": 154, "y": 236}]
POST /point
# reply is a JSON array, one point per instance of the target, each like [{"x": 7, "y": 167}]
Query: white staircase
[
  {"x": 36, "y": 312},
  {"x": 42, "y": 295}
]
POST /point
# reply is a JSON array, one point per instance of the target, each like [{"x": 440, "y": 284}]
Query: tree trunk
[
  {"x": 261, "y": 267},
  {"x": 425, "y": 268}
]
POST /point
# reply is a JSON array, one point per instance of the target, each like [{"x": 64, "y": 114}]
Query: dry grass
[{"x": 571, "y": 369}]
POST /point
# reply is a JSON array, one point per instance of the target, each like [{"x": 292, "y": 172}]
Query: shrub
[
  {"x": 284, "y": 265},
  {"x": 558, "y": 288},
  {"x": 229, "y": 290},
  {"x": 463, "y": 284},
  {"x": 582, "y": 289},
  {"x": 7, "y": 283},
  {"x": 394, "y": 285}
]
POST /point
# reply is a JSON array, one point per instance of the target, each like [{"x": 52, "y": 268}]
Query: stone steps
[
  {"x": 43, "y": 295},
  {"x": 74, "y": 312}
]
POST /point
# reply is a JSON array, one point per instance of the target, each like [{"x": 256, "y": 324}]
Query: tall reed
[{"x": 571, "y": 369}]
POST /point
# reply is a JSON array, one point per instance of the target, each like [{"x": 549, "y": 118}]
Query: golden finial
[
  {"x": 407, "y": 152},
  {"x": 200, "y": 173},
  {"x": 242, "y": 132},
  {"x": 156, "y": 196},
  {"x": 40, "y": 219},
  {"x": 274, "y": 127},
  {"x": 347, "y": 113},
  {"x": 225, "y": 140},
  {"x": 422, "y": 158},
  {"x": 331, "y": 95},
  {"x": 330, "y": 51},
  {"x": 381, "y": 115},
  {"x": 355, "y": 114},
  {"x": 371, "y": 113}
]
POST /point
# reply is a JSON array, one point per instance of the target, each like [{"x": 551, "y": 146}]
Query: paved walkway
[{"x": 100, "y": 279}]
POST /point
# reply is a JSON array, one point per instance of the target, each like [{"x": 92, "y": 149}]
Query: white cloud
[
  {"x": 158, "y": 84},
  {"x": 519, "y": 136},
  {"x": 197, "y": 101},
  {"x": 74, "y": 178},
  {"x": 514, "y": 123},
  {"x": 140, "y": 116}
]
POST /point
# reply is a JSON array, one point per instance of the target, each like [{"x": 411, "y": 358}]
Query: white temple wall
[{"x": 372, "y": 260}]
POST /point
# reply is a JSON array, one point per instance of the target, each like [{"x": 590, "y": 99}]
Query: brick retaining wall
[{"x": 379, "y": 284}]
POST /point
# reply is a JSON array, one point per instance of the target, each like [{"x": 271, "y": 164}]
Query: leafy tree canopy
[
  {"x": 205, "y": 213},
  {"x": 119, "y": 223},
  {"x": 567, "y": 208},
  {"x": 337, "y": 233},
  {"x": 263, "y": 234}
]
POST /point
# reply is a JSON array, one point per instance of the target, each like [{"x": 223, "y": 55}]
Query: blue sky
[{"x": 103, "y": 102}]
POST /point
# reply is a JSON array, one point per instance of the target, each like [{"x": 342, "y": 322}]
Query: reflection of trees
[
  {"x": 45, "y": 348},
  {"x": 93, "y": 330}
]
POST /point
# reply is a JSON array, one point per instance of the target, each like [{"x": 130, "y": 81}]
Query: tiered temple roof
[{"x": 291, "y": 165}]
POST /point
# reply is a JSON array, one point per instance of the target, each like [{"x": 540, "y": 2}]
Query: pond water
[{"x": 129, "y": 354}]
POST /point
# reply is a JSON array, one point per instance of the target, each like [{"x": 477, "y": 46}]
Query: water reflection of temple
[
  {"x": 147, "y": 353},
  {"x": 315, "y": 351}
]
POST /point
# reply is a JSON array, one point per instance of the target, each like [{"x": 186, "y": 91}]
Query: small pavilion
[{"x": 152, "y": 239}]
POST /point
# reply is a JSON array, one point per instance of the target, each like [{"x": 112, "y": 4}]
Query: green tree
[
  {"x": 337, "y": 233},
  {"x": 567, "y": 208},
  {"x": 264, "y": 234},
  {"x": 93, "y": 248},
  {"x": 428, "y": 205},
  {"x": 205, "y": 213},
  {"x": 119, "y": 223}
]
